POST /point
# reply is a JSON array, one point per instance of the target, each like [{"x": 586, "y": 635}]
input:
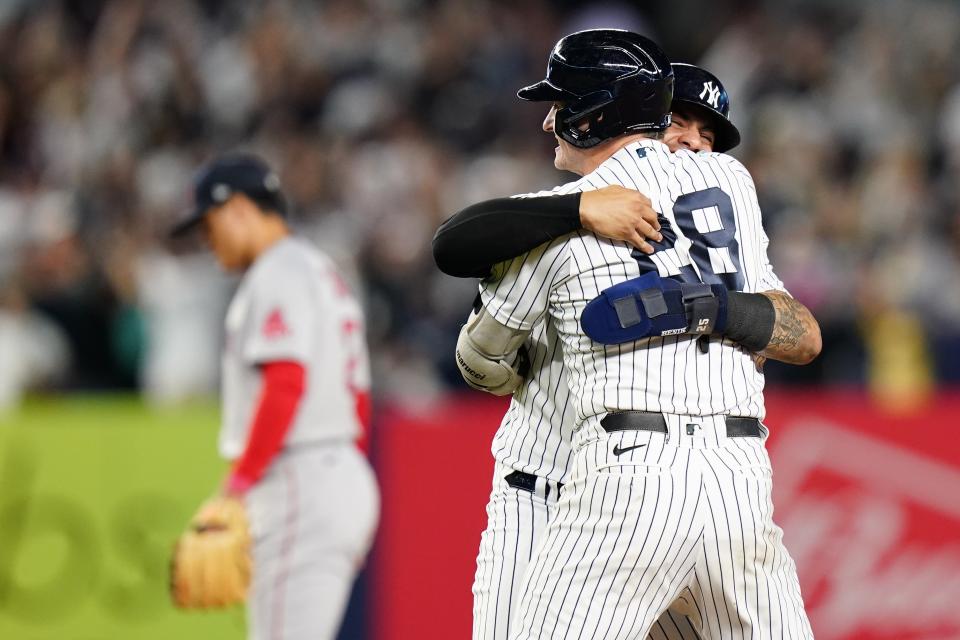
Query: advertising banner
[{"x": 869, "y": 502}]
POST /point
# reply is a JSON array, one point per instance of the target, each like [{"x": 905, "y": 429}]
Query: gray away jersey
[
  {"x": 712, "y": 233},
  {"x": 292, "y": 305}
]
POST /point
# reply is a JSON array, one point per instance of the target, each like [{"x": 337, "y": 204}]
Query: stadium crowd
[{"x": 385, "y": 116}]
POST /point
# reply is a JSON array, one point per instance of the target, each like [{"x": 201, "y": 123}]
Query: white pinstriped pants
[
  {"x": 516, "y": 522},
  {"x": 684, "y": 520}
]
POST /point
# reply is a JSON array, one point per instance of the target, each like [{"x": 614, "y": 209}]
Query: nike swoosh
[{"x": 617, "y": 450}]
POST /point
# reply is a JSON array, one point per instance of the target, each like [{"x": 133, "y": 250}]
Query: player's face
[
  {"x": 566, "y": 156},
  {"x": 224, "y": 234},
  {"x": 689, "y": 129}
]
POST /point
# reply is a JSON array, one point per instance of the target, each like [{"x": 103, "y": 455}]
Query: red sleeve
[
  {"x": 283, "y": 387},
  {"x": 363, "y": 406}
]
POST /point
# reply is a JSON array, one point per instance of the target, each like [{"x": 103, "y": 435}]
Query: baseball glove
[{"x": 211, "y": 562}]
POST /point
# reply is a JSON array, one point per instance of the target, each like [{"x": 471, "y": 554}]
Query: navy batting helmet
[
  {"x": 614, "y": 80},
  {"x": 699, "y": 87}
]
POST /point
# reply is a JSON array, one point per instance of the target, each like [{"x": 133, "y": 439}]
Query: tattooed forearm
[
  {"x": 789, "y": 329},
  {"x": 796, "y": 334}
]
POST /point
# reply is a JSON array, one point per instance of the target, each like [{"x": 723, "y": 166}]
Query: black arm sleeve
[{"x": 468, "y": 244}]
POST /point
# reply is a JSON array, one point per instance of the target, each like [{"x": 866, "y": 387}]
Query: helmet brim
[
  {"x": 188, "y": 223},
  {"x": 543, "y": 91}
]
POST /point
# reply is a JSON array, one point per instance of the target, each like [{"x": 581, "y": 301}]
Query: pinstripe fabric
[
  {"x": 658, "y": 374},
  {"x": 682, "y": 522},
  {"x": 516, "y": 522},
  {"x": 535, "y": 434},
  {"x": 534, "y": 437}
]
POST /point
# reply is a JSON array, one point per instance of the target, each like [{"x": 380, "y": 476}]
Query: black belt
[
  {"x": 737, "y": 427},
  {"x": 527, "y": 482}
]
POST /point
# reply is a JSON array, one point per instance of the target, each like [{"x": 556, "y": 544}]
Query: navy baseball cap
[
  {"x": 227, "y": 175},
  {"x": 698, "y": 87}
]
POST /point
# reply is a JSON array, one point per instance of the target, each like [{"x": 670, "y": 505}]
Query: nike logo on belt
[{"x": 617, "y": 450}]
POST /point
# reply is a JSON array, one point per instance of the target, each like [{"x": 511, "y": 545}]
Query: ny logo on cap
[{"x": 711, "y": 94}]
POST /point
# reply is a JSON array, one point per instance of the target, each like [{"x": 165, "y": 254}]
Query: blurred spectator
[
  {"x": 384, "y": 117},
  {"x": 35, "y": 352}
]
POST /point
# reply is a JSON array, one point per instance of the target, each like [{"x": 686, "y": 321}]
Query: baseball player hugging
[
  {"x": 664, "y": 488},
  {"x": 295, "y": 387}
]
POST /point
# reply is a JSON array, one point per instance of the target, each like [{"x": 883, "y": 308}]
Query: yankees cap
[
  {"x": 698, "y": 87},
  {"x": 227, "y": 175}
]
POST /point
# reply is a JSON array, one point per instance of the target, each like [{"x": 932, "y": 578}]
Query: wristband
[
  {"x": 750, "y": 320},
  {"x": 238, "y": 484}
]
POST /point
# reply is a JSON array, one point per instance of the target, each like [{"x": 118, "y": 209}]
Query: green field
[{"x": 93, "y": 492}]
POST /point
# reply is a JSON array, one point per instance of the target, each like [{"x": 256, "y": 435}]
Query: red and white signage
[
  {"x": 870, "y": 506},
  {"x": 869, "y": 502}
]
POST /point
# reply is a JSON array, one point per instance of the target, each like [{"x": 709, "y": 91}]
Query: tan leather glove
[{"x": 211, "y": 562}]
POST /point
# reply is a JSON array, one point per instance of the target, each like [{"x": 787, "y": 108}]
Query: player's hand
[{"x": 620, "y": 214}]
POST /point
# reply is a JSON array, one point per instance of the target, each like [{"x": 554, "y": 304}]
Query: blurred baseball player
[
  {"x": 295, "y": 382},
  {"x": 668, "y": 447},
  {"x": 532, "y": 446}
]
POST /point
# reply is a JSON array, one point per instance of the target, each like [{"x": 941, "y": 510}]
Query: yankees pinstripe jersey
[
  {"x": 535, "y": 434},
  {"x": 713, "y": 233}
]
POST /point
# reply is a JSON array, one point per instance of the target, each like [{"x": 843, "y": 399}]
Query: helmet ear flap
[
  {"x": 582, "y": 139},
  {"x": 612, "y": 116},
  {"x": 569, "y": 121}
]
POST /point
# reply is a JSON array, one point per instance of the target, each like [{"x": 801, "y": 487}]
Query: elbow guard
[{"x": 490, "y": 356}]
